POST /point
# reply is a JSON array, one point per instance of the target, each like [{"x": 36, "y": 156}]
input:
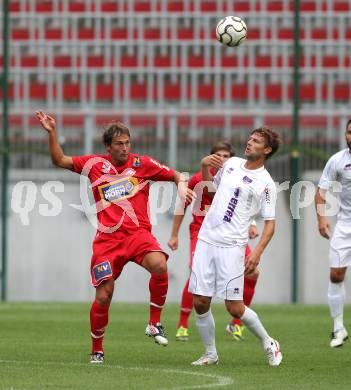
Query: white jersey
[
  {"x": 241, "y": 195},
  {"x": 338, "y": 168}
]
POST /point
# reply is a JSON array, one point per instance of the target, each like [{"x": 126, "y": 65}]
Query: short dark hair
[
  {"x": 114, "y": 129},
  {"x": 348, "y": 123},
  {"x": 272, "y": 139},
  {"x": 223, "y": 145}
]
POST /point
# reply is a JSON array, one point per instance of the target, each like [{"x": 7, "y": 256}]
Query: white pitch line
[{"x": 220, "y": 380}]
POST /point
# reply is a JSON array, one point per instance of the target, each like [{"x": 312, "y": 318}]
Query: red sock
[
  {"x": 98, "y": 323},
  {"x": 249, "y": 291},
  {"x": 186, "y": 306},
  {"x": 158, "y": 287}
]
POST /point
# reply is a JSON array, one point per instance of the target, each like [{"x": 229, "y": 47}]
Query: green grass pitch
[{"x": 47, "y": 346}]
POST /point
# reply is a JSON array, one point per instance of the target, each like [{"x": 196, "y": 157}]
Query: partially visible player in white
[
  {"x": 337, "y": 169},
  {"x": 244, "y": 189}
]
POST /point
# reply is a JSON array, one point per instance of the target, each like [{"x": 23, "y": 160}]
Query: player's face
[
  {"x": 348, "y": 136},
  {"x": 119, "y": 149},
  {"x": 223, "y": 154},
  {"x": 256, "y": 147}
]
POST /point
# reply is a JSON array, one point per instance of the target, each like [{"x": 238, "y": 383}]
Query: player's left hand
[
  {"x": 186, "y": 194},
  {"x": 251, "y": 262},
  {"x": 253, "y": 232}
]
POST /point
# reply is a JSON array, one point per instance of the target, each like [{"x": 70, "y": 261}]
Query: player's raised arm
[
  {"x": 323, "y": 224},
  {"x": 208, "y": 162},
  {"x": 57, "y": 156}
]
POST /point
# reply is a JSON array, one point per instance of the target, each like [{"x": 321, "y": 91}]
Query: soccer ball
[{"x": 231, "y": 31}]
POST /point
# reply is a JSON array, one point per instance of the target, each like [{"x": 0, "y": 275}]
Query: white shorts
[
  {"x": 218, "y": 271},
  {"x": 340, "y": 246}
]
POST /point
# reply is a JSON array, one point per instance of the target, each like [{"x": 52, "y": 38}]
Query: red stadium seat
[
  {"x": 14, "y": 6},
  {"x": 185, "y": 33},
  {"x": 162, "y": 61},
  {"x": 109, "y": 6},
  {"x": 104, "y": 92},
  {"x": 330, "y": 61},
  {"x": 242, "y": 6},
  {"x": 96, "y": 61},
  {"x": 208, "y": 6},
  {"x": 341, "y": 6},
  {"x": 38, "y": 91},
  {"x": 342, "y": 92},
  {"x": 273, "y": 92},
  {"x": 262, "y": 61},
  {"x": 138, "y": 91},
  {"x": 142, "y": 6},
  {"x": 152, "y": 33},
  {"x": 196, "y": 61},
  {"x": 119, "y": 33},
  {"x": 275, "y": 6},
  {"x": 76, "y": 6},
  {"x": 172, "y": 91},
  {"x": 129, "y": 61},
  {"x": 62, "y": 61},
  {"x": 20, "y": 34},
  {"x": 29, "y": 61},
  {"x": 71, "y": 91},
  {"x": 53, "y": 33},
  {"x": 44, "y": 6},
  {"x": 206, "y": 91},
  {"x": 240, "y": 92},
  {"x": 229, "y": 61},
  {"x": 175, "y": 6},
  {"x": 319, "y": 34},
  {"x": 86, "y": 33}
]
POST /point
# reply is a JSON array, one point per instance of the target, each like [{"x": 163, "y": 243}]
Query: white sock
[
  {"x": 206, "y": 327},
  {"x": 336, "y": 299},
  {"x": 251, "y": 320}
]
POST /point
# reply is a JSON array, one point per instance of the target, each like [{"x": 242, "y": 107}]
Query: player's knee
[
  {"x": 336, "y": 276},
  {"x": 104, "y": 294},
  {"x": 159, "y": 265},
  {"x": 235, "y": 308},
  {"x": 201, "y": 304}
]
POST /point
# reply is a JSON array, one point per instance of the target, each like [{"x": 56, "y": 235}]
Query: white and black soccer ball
[{"x": 231, "y": 31}]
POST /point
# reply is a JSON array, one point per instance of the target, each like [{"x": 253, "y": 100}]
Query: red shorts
[
  {"x": 111, "y": 254},
  {"x": 193, "y": 241}
]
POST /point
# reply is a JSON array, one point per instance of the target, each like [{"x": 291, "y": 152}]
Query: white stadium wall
[{"x": 49, "y": 256}]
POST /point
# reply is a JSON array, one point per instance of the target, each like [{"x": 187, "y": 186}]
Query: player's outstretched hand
[
  {"x": 212, "y": 161},
  {"x": 253, "y": 232},
  {"x": 251, "y": 262},
  {"x": 173, "y": 243},
  {"x": 186, "y": 194},
  {"x": 324, "y": 228},
  {"x": 46, "y": 121}
]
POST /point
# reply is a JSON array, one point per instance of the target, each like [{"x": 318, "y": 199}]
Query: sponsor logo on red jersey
[{"x": 119, "y": 189}]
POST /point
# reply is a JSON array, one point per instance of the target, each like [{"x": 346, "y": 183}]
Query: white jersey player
[
  {"x": 244, "y": 189},
  {"x": 337, "y": 169}
]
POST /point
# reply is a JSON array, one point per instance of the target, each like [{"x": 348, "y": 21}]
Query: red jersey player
[
  {"x": 204, "y": 199},
  {"x": 120, "y": 184}
]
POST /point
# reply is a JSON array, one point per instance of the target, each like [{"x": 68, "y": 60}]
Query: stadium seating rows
[{"x": 47, "y": 6}]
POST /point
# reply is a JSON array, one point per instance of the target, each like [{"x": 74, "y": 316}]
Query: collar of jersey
[{"x": 251, "y": 170}]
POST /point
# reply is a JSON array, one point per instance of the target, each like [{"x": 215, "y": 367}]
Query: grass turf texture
[{"x": 47, "y": 346}]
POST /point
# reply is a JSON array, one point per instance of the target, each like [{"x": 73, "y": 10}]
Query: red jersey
[
  {"x": 201, "y": 204},
  {"x": 121, "y": 192}
]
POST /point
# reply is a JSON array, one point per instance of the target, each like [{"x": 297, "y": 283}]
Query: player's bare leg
[
  {"x": 99, "y": 318},
  {"x": 236, "y": 328},
  {"x": 336, "y": 299},
  {"x": 251, "y": 320},
  {"x": 206, "y": 327},
  {"x": 156, "y": 264}
]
